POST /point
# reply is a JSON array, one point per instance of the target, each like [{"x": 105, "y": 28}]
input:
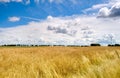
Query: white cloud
[
  {"x": 7, "y": 1},
  {"x": 18, "y": 1},
  {"x": 49, "y": 17},
  {"x": 114, "y": 11},
  {"x": 77, "y": 30},
  {"x": 74, "y": 30},
  {"x": 95, "y": 7},
  {"x": 104, "y": 12},
  {"x": 14, "y": 19},
  {"x": 31, "y": 18},
  {"x": 107, "y": 3}
]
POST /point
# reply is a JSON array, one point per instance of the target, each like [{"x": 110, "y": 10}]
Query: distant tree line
[
  {"x": 108, "y": 44},
  {"x": 93, "y": 44},
  {"x": 23, "y": 45},
  {"x": 113, "y": 44}
]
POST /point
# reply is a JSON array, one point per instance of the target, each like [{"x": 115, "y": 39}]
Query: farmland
[{"x": 59, "y": 62}]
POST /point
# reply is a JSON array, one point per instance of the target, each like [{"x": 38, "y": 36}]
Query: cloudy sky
[{"x": 60, "y": 22}]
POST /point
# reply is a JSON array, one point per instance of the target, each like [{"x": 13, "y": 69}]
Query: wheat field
[{"x": 59, "y": 62}]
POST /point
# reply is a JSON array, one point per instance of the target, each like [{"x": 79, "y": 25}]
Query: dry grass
[{"x": 59, "y": 62}]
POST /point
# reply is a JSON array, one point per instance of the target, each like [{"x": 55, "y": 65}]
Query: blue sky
[
  {"x": 68, "y": 22},
  {"x": 41, "y": 9}
]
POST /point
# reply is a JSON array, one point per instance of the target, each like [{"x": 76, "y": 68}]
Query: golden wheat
[{"x": 59, "y": 62}]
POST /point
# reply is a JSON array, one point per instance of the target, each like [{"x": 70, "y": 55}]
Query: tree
[{"x": 95, "y": 44}]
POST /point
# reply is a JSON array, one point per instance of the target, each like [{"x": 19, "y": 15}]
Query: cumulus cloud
[
  {"x": 62, "y": 30},
  {"x": 14, "y": 19},
  {"x": 104, "y": 12},
  {"x": 49, "y": 17},
  {"x": 106, "y": 3},
  {"x": 114, "y": 11},
  {"x": 73, "y": 30}
]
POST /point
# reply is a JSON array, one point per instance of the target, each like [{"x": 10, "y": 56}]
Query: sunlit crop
[{"x": 59, "y": 62}]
